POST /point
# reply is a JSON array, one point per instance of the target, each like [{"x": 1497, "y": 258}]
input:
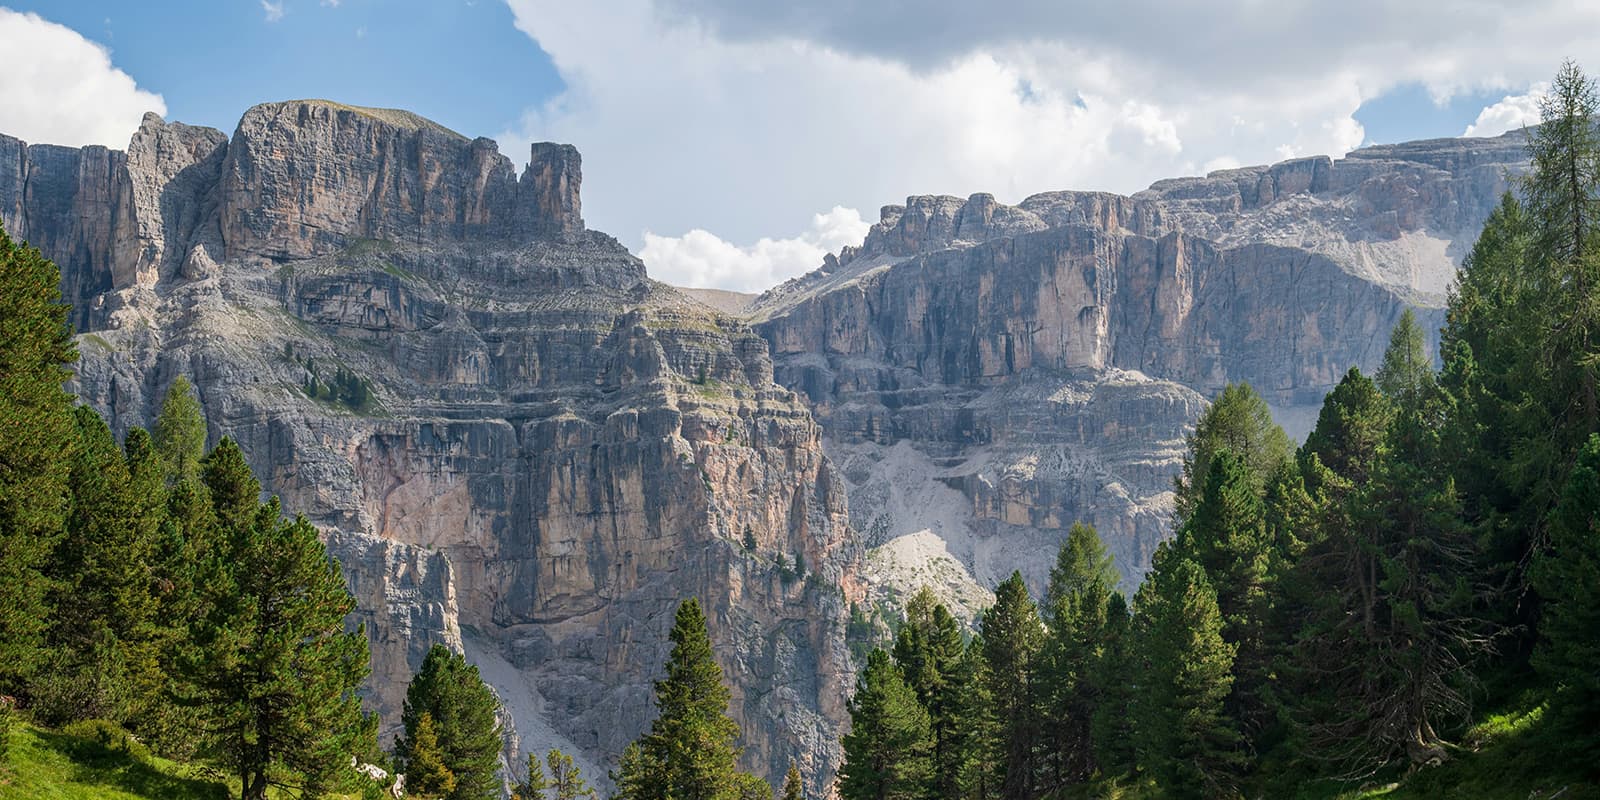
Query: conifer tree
[
  {"x": 1111, "y": 726},
  {"x": 978, "y": 749},
  {"x": 427, "y": 777},
  {"x": 928, "y": 649},
  {"x": 566, "y": 780},
  {"x": 101, "y": 602},
  {"x": 533, "y": 783},
  {"x": 1240, "y": 421},
  {"x": 36, "y": 440},
  {"x": 1081, "y": 585},
  {"x": 180, "y": 431},
  {"x": 1568, "y": 575},
  {"x": 1185, "y": 739},
  {"x": 463, "y": 709},
  {"x": 1227, "y": 537},
  {"x": 794, "y": 787},
  {"x": 689, "y": 752},
  {"x": 1388, "y": 592},
  {"x": 1012, "y": 637},
  {"x": 270, "y": 666},
  {"x": 887, "y": 751}
]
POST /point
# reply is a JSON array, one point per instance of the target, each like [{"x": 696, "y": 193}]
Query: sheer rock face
[
  {"x": 1043, "y": 362},
  {"x": 557, "y": 449}
]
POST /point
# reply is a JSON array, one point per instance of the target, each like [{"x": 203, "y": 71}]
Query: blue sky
[
  {"x": 732, "y": 143},
  {"x": 460, "y": 64}
]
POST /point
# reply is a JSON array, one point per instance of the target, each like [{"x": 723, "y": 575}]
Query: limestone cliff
[
  {"x": 554, "y": 449},
  {"x": 1038, "y": 364}
]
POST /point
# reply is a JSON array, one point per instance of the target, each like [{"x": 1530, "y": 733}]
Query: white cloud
[
  {"x": 1514, "y": 111},
  {"x": 699, "y": 258},
  {"x": 274, "y": 11},
  {"x": 709, "y": 115},
  {"x": 60, "y": 88}
]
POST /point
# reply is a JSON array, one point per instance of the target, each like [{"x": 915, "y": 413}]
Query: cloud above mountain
[
  {"x": 58, "y": 87},
  {"x": 731, "y": 117}
]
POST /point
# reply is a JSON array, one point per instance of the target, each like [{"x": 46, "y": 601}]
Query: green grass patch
[{"x": 51, "y": 765}]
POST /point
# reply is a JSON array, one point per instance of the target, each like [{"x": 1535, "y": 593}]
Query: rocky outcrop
[
  {"x": 555, "y": 449},
  {"x": 1043, "y": 362}
]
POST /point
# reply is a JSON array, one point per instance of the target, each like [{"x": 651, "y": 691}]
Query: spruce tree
[
  {"x": 463, "y": 709},
  {"x": 887, "y": 753},
  {"x": 794, "y": 788},
  {"x": 270, "y": 666},
  {"x": 36, "y": 441},
  {"x": 180, "y": 431},
  {"x": 1186, "y": 741},
  {"x": 1076, "y": 603},
  {"x": 1568, "y": 575},
  {"x": 1238, "y": 420},
  {"x": 689, "y": 752},
  {"x": 1012, "y": 637},
  {"x": 427, "y": 777}
]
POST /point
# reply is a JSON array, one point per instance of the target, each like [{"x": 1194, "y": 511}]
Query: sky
[{"x": 732, "y": 143}]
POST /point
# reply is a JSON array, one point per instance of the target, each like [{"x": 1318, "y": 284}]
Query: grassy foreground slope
[{"x": 51, "y": 765}]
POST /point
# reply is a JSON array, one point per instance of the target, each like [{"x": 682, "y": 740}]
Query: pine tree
[
  {"x": 794, "y": 787},
  {"x": 887, "y": 751},
  {"x": 566, "y": 780},
  {"x": 979, "y": 750},
  {"x": 533, "y": 783},
  {"x": 690, "y": 752},
  {"x": 1568, "y": 575},
  {"x": 1081, "y": 585},
  {"x": 1012, "y": 637},
  {"x": 1388, "y": 593},
  {"x": 928, "y": 649},
  {"x": 463, "y": 708},
  {"x": 270, "y": 665},
  {"x": 1112, "y": 680},
  {"x": 427, "y": 777},
  {"x": 1185, "y": 739},
  {"x": 36, "y": 440},
  {"x": 1227, "y": 537},
  {"x": 180, "y": 432},
  {"x": 1240, "y": 421}
]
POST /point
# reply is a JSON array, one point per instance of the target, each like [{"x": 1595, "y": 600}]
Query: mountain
[
  {"x": 990, "y": 374},
  {"x": 548, "y": 449},
  {"x": 520, "y": 445}
]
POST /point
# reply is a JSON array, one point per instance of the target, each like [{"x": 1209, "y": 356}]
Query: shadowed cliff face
[
  {"x": 556, "y": 449},
  {"x": 1043, "y": 362}
]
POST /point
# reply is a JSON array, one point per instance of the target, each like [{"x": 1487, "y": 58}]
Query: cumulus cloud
[
  {"x": 701, "y": 259},
  {"x": 274, "y": 11},
  {"x": 1512, "y": 112},
  {"x": 60, "y": 88},
  {"x": 735, "y": 118}
]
